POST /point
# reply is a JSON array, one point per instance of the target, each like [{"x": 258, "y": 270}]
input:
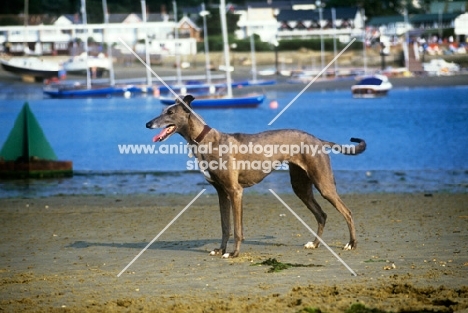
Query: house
[
  {"x": 67, "y": 31},
  {"x": 35, "y": 38},
  {"x": 342, "y": 22},
  {"x": 461, "y": 26},
  {"x": 258, "y": 20},
  {"x": 188, "y": 29},
  {"x": 416, "y": 23},
  {"x": 278, "y": 20}
]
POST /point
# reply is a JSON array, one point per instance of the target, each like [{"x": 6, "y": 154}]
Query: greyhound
[{"x": 306, "y": 170}]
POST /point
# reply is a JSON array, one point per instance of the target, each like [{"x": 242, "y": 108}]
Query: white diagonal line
[
  {"x": 311, "y": 82},
  {"x": 310, "y": 229},
  {"x": 161, "y": 80},
  {"x": 161, "y": 232}
]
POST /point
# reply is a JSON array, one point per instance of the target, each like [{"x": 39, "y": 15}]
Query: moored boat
[
  {"x": 96, "y": 64},
  {"x": 371, "y": 87},
  {"x": 222, "y": 102},
  {"x": 32, "y": 67},
  {"x": 82, "y": 91}
]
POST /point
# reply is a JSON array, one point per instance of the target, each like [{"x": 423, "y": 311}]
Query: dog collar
[{"x": 202, "y": 135}]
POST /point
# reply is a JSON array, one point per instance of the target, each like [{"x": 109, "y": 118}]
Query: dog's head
[{"x": 172, "y": 118}]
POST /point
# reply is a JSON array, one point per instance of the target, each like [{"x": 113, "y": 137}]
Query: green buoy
[{"x": 27, "y": 154}]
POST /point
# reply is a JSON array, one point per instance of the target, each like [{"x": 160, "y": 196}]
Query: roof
[
  {"x": 420, "y": 18},
  {"x": 188, "y": 21},
  {"x": 117, "y": 18},
  {"x": 301, "y": 15},
  {"x": 73, "y": 18},
  {"x": 385, "y": 20},
  {"x": 416, "y": 18},
  {"x": 156, "y": 17},
  {"x": 279, "y": 4},
  {"x": 153, "y": 17}
]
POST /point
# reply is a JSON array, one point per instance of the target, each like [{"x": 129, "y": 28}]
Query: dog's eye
[{"x": 170, "y": 112}]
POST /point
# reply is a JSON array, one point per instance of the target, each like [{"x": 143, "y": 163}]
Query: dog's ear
[{"x": 188, "y": 101}]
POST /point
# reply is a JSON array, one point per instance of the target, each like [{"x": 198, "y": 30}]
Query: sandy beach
[{"x": 64, "y": 254}]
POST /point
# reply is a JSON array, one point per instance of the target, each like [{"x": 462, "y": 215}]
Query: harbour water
[{"x": 416, "y": 141}]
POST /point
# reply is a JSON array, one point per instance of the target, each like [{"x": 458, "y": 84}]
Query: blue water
[{"x": 416, "y": 140}]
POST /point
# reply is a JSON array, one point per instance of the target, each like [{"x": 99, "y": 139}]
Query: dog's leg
[
  {"x": 325, "y": 183},
  {"x": 225, "y": 210},
  {"x": 335, "y": 200},
  {"x": 302, "y": 186},
  {"x": 235, "y": 195}
]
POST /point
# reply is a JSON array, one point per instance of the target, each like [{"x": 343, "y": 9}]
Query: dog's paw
[
  {"x": 310, "y": 245},
  {"x": 216, "y": 252},
  {"x": 350, "y": 246},
  {"x": 227, "y": 255}
]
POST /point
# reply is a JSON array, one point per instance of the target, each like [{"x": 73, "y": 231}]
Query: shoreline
[
  {"x": 138, "y": 71},
  {"x": 357, "y": 182}
]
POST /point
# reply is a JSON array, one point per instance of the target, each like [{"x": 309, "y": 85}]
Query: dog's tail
[{"x": 348, "y": 149}]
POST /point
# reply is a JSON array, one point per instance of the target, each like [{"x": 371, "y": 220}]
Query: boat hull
[
  {"x": 27, "y": 69},
  {"x": 78, "y": 65},
  {"x": 364, "y": 92},
  {"x": 240, "y": 102},
  {"x": 94, "y": 91},
  {"x": 372, "y": 87},
  {"x": 201, "y": 87}
]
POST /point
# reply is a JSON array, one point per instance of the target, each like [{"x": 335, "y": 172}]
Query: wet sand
[{"x": 63, "y": 254}]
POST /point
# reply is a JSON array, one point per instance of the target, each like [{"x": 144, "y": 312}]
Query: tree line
[{"x": 95, "y": 15}]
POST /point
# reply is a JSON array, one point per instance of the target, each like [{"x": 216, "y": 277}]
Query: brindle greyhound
[{"x": 306, "y": 170}]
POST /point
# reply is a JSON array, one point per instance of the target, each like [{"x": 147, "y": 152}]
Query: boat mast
[
  {"x": 147, "y": 55},
  {"x": 252, "y": 48},
  {"x": 85, "y": 22},
  {"x": 204, "y": 13},
  {"x": 176, "y": 50},
  {"x": 222, "y": 12},
  {"x": 26, "y": 18},
  {"x": 364, "y": 53},
  {"x": 109, "y": 46},
  {"x": 333, "y": 11}
]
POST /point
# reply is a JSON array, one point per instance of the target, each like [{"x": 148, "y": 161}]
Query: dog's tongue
[{"x": 161, "y": 135}]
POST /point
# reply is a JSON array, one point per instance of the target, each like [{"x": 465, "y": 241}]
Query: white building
[
  {"x": 68, "y": 29},
  {"x": 278, "y": 20}
]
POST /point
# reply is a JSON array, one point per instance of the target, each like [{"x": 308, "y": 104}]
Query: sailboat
[
  {"x": 30, "y": 68},
  {"x": 227, "y": 101},
  {"x": 78, "y": 90}
]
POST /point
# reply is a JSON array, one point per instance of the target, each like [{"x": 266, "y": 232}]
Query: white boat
[
  {"x": 371, "y": 86},
  {"x": 97, "y": 65},
  {"x": 32, "y": 67},
  {"x": 440, "y": 67}
]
